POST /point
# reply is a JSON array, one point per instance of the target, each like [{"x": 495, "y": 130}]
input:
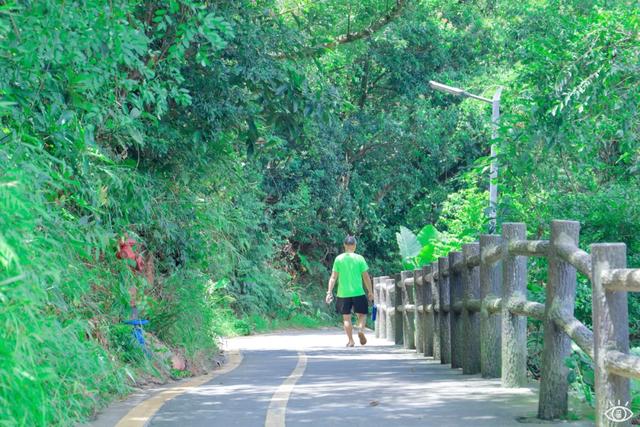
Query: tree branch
[
  {"x": 364, "y": 84},
  {"x": 350, "y": 37}
]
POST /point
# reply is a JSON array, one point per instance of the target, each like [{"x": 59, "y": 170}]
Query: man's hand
[
  {"x": 370, "y": 297},
  {"x": 328, "y": 298}
]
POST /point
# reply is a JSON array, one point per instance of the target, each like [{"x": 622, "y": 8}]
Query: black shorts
[{"x": 359, "y": 304}]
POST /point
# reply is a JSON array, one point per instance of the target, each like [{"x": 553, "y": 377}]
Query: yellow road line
[
  {"x": 278, "y": 406},
  {"x": 140, "y": 415}
]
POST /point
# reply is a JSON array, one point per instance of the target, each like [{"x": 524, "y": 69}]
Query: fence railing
[{"x": 469, "y": 310}]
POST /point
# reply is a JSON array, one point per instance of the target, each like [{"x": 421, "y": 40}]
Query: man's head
[{"x": 350, "y": 244}]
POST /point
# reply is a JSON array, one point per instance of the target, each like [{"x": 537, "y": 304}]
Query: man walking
[{"x": 350, "y": 270}]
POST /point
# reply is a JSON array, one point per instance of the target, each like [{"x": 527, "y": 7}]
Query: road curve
[{"x": 308, "y": 378}]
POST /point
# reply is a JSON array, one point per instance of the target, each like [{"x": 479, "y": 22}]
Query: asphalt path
[{"x": 309, "y": 378}]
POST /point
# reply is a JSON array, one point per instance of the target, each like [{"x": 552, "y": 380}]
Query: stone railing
[{"x": 469, "y": 310}]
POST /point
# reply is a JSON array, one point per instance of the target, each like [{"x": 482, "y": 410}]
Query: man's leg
[
  {"x": 348, "y": 328},
  {"x": 361, "y": 306},
  {"x": 362, "y": 320}
]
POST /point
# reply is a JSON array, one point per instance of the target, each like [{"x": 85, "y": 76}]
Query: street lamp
[{"x": 495, "y": 116}]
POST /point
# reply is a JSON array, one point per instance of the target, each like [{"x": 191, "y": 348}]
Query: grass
[{"x": 297, "y": 321}]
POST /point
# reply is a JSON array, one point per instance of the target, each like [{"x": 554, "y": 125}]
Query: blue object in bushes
[{"x": 138, "y": 333}]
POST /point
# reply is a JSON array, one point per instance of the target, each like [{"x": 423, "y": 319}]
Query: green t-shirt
[{"x": 350, "y": 267}]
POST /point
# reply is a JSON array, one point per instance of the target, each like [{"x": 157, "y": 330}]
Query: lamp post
[{"x": 495, "y": 117}]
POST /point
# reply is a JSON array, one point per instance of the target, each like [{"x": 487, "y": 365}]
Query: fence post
[
  {"x": 435, "y": 294},
  {"x": 470, "y": 319},
  {"x": 455, "y": 296},
  {"x": 391, "y": 309},
  {"x": 428, "y": 300},
  {"x": 408, "y": 321},
  {"x": 376, "y": 301},
  {"x": 398, "y": 325},
  {"x": 514, "y": 328},
  {"x": 560, "y": 298},
  {"x": 610, "y": 331},
  {"x": 443, "y": 299},
  {"x": 490, "y": 324},
  {"x": 418, "y": 287},
  {"x": 381, "y": 319},
  {"x": 382, "y": 308}
]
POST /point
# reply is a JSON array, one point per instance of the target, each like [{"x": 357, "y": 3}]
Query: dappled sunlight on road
[{"x": 379, "y": 383}]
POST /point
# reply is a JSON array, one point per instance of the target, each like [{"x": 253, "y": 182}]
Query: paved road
[{"x": 309, "y": 379}]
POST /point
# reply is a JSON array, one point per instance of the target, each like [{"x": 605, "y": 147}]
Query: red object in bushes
[{"x": 126, "y": 251}]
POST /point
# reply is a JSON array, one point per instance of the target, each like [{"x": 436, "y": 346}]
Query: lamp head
[{"x": 449, "y": 89}]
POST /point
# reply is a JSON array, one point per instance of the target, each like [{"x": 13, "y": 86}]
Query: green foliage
[
  {"x": 462, "y": 218},
  {"x": 581, "y": 375},
  {"x": 52, "y": 372},
  {"x": 427, "y": 235},
  {"x": 581, "y": 378},
  {"x": 419, "y": 250},
  {"x": 104, "y": 131},
  {"x": 409, "y": 247}
]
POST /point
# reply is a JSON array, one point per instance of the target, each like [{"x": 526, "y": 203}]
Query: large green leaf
[
  {"x": 409, "y": 264},
  {"x": 426, "y": 255},
  {"x": 408, "y": 243},
  {"x": 428, "y": 235}
]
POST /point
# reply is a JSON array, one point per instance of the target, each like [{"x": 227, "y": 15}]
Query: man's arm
[
  {"x": 332, "y": 283},
  {"x": 367, "y": 283}
]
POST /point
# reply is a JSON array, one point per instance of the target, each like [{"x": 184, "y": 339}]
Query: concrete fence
[{"x": 469, "y": 309}]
